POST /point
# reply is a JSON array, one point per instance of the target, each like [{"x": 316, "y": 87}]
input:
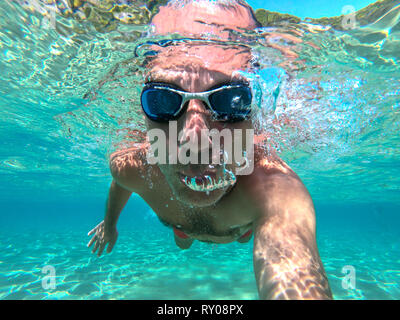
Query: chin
[
  {"x": 198, "y": 187},
  {"x": 199, "y": 199}
]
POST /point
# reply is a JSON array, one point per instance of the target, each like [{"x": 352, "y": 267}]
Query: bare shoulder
[
  {"x": 274, "y": 184},
  {"x": 129, "y": 167},
  {"x": 274, "y": 170}
]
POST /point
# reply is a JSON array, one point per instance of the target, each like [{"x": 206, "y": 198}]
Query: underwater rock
[
  {"x": 269, "y": 18},
  {"x": 105, "y": 15},
  {"x": 363, "y": 17}
]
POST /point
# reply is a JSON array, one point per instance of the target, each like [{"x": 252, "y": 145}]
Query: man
[{"x": 199, "y": 84}]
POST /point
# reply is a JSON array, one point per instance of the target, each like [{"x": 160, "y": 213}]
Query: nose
[{"x": 195, "y": 124}]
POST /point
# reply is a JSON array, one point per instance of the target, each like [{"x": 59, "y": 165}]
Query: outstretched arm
[
  {"x": 106, "y": 232},
  {"x": 286, "y": 259},
  {"x": 117, "y": 199}
]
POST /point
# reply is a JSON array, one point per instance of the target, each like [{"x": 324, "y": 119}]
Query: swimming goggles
[{"x": 163, "y": 102}]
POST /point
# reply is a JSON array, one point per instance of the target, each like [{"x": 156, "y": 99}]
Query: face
[{"x": 198, "y": 68}]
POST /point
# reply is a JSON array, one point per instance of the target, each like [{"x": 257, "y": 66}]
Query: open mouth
[{"x": 207, "y": 181}]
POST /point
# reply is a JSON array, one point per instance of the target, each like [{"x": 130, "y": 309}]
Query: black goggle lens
[
  {"x": 160, "y": 104},
  {"x": 232, "y": 104}
]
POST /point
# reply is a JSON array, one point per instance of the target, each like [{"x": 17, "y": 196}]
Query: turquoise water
[
  {"x": 64, "y": 95},
  {"x": 146, "y": 263}
]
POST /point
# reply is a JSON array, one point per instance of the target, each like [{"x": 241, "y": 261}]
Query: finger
[
  {"x": 110, "y": 246},
  {"x": 92, "y": 231},
  {"x": 101, "y": 249},
  {"x": 95, "y": 228},
  {"x": 96, "y": 245},
  {"x": 91, "y": 241}
]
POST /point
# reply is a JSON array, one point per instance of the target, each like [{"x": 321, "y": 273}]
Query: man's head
[
  {"x": 212, "y": 17},
  {"x": 195, "y": 67}
]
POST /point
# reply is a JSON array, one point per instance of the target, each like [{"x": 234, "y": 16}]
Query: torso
[
  {"x": 223, "y": 222},
  {"x": 232, "y": 216}
]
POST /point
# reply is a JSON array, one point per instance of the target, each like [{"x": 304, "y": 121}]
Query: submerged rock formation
[
  {"x": 363, "y": 17},
  {"x": 105, "y": 15},
  {"x": 269, "y": 18}
]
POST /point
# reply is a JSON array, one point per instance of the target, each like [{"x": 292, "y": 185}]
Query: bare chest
[{"x": 223, "y": 222}]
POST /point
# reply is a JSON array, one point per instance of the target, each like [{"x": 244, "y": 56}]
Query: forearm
[
  {"x": 286, "y": 259},
  {"x": 288, "y": 266},
  {"x": 117, "y": 199}
]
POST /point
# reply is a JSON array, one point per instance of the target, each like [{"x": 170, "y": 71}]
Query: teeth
[{"x": 208, "y": 184}]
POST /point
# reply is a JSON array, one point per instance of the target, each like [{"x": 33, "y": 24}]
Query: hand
[{"x": 102, "y": 237}]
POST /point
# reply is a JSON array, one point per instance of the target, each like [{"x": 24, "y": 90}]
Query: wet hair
[{"x": 225, "y": 4}]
